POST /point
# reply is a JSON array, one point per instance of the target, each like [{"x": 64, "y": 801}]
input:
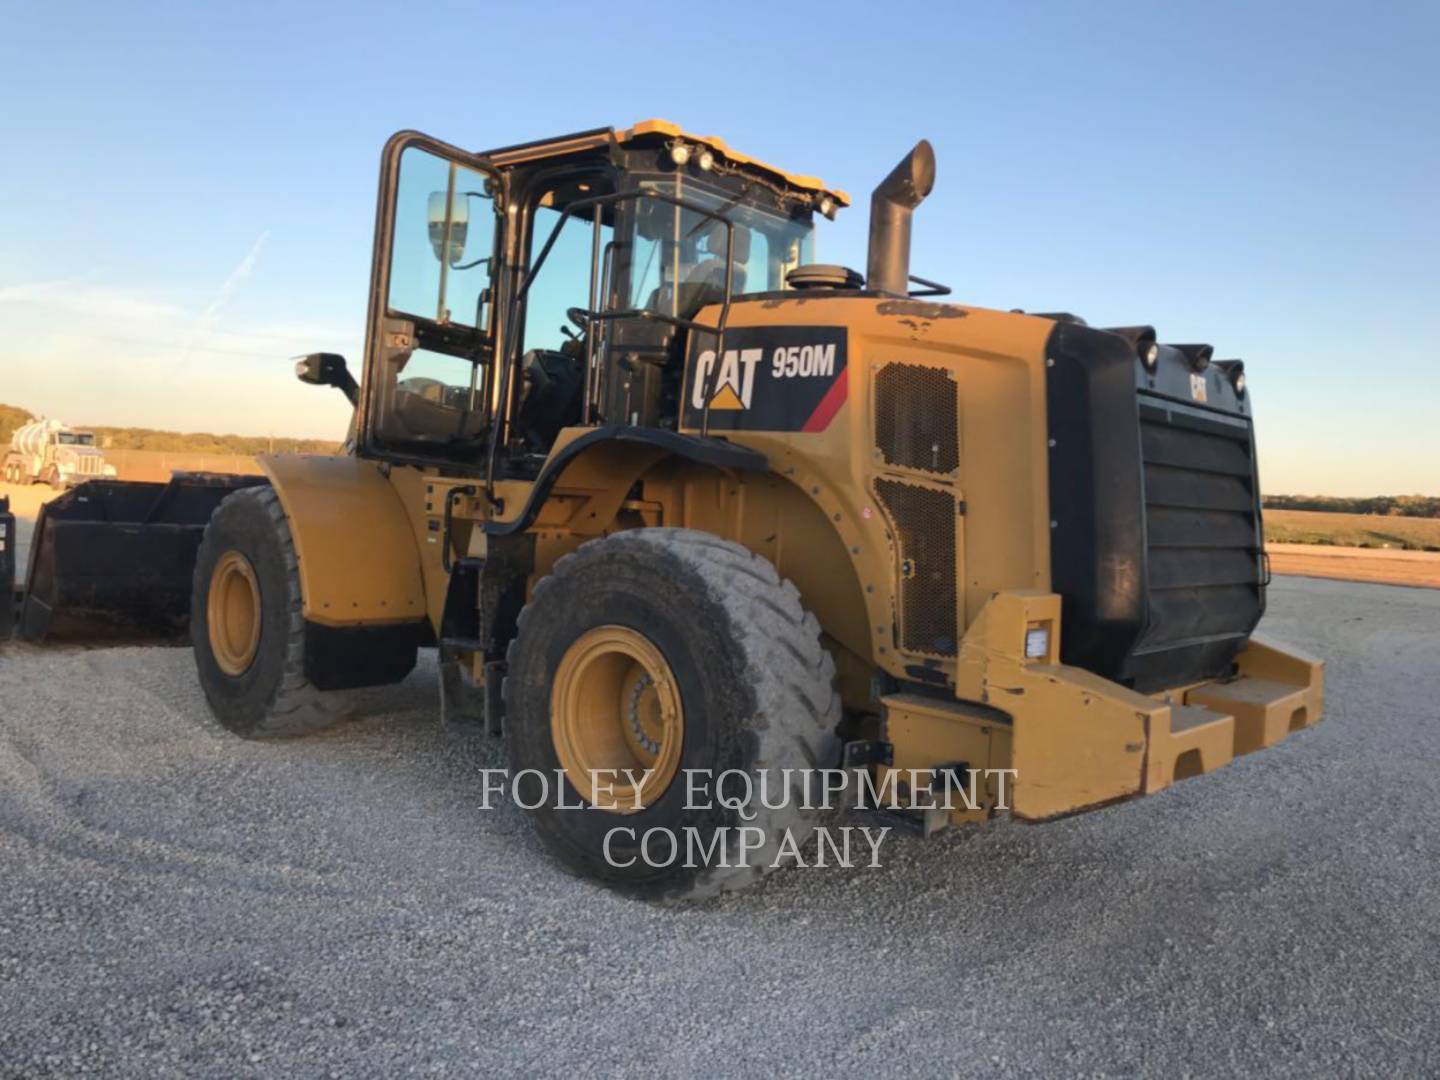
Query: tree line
[
  {"x": 1420, "y": 506},
  {"x": 174, "y": 442}
]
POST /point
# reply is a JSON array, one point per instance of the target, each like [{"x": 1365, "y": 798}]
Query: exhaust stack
[{"x": 891, "y": 205}]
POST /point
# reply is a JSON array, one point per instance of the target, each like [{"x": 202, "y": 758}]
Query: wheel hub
[
  {"x": 232, "y": 611},
  {"x": 616, "y": 719}
]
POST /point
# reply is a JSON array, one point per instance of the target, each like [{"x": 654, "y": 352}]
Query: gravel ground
[{"x": 174, "y": 901}]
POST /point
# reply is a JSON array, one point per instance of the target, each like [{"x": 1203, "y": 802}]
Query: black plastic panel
[{"x": 1156, "y": 538}]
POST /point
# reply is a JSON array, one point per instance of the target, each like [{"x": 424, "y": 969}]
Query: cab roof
[{"x": 660, "y": 131}]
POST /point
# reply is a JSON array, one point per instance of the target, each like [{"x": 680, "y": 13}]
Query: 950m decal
[{"x": 769, "y": 378}]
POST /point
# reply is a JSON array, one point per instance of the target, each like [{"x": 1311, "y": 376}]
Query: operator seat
[{"x": 704, "y": 283}]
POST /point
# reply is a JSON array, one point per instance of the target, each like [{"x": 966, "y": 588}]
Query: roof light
[
  {"x": 706, "y": 160},
  {"x": 679, "y": 153},
  {"x": 826, "y": 206}
]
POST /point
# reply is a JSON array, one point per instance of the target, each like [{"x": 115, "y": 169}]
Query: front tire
[
  {"x": 644, "y": 638},
  {"x": 247, "y": 624}
]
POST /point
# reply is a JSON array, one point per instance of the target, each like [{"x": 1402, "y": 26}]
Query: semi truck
[{"x": 50, "y": 452}]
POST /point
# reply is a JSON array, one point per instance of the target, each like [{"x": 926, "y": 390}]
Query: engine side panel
[{"x": 918, "y": 430}]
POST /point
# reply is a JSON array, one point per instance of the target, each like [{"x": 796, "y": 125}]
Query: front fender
[{"x": 358, "y": 560}]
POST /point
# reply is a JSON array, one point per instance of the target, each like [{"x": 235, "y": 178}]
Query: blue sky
[{"x": 187, "y": 190}]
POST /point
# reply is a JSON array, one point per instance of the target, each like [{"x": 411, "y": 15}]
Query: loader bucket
[
  {"x": 7, "y": 570},
  {"x": 113, "y": 559}
]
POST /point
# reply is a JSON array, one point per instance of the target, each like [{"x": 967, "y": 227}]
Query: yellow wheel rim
[
  {"x": 615, "y": 706},
  {"x": 232, "y": 610}
]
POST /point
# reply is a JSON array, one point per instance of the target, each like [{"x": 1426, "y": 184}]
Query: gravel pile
[{"x": 174, "y": 901}]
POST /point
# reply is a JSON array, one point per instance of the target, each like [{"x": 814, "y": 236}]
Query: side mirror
[
  {"x": 328, "y": 369},
  {"x": 448, "y": 245}
]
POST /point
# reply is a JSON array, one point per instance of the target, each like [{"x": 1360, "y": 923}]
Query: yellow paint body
[
  {"x": 353, "y": 539},
  {"x": 369, "y": 542}
]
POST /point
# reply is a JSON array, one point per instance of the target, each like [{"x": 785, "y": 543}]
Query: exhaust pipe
[{"x": 891, "y": 205}]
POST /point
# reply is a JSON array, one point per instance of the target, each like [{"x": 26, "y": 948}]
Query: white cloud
[
  {"x": 96, "y": 353},
  {"x": 85, "y": 297}
]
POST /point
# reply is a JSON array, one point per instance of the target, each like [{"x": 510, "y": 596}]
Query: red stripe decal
[{"x": 829, "y": 404}]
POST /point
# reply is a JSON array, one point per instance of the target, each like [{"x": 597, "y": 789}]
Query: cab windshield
[
  {"x": 75, "y": 438},
  {"x": 678, "y": 261}
]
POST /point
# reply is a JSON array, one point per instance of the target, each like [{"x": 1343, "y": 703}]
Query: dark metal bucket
[
  {"x": 7, "y": 570},
  {"x": 114, "y": 559}
]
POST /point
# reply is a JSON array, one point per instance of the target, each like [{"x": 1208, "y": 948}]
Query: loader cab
[{"x": 531, "y": 289}]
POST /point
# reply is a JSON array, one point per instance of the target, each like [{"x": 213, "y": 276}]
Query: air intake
[
  {"x": 925, "y": 523},
  {"x": 917, "y": 418}
]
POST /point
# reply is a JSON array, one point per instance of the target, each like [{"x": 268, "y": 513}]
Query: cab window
[
  {"x": 444, "y": 242},
  {"x": 564, "y": 280},
  {"x": 431, "y": 395},
  {"x": 678, "y": 262},
  {"x": 554, "y": 346}
]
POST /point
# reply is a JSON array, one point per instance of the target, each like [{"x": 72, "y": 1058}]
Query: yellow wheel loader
[{"x": 673, "y": 500}]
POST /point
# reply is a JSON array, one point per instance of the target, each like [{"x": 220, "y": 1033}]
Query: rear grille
[
  {"x": 1202, "y": 533},
  {"x": 917, "y": 412},
  {"x": 925, "y": 521},
  {"x": 1154, "y": 514}
]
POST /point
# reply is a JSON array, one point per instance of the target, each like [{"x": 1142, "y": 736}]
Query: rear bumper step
[
  {"x": 1075, "y": 741},
  {"x": 1220, "y": 721}
]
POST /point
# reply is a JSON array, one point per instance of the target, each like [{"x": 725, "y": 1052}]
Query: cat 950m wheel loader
[{"x": 671, "y": 499}]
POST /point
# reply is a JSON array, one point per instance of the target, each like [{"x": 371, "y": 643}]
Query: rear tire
[
  {"x": 253, "y": 673},
  {"x": 755, "y": 689}
]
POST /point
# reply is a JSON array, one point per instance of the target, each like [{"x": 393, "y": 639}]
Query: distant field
[
  {"x": 1352, "y": 530},
  {"x": 1418, "y": 568}
]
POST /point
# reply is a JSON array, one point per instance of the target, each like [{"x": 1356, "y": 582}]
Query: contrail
[{"x": 231, "y": 283}]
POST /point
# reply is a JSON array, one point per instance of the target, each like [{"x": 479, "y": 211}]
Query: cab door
[{"x": 430, "y": 382}]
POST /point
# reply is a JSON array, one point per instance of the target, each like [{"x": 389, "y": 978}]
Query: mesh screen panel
[
  {"x": 917, "y": 418},
  {"x": 925, "y": 521}
]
